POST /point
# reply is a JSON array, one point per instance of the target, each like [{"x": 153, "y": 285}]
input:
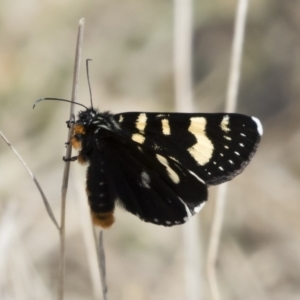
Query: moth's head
[{"x": 86, "y": 117}]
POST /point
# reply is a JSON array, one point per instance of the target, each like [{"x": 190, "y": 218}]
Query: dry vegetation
[{"x": 130, "y": 43}]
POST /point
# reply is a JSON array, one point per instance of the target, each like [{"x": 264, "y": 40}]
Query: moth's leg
[
  {"x": 73, "y": 158},
  {"x": 72, "y": 121}
]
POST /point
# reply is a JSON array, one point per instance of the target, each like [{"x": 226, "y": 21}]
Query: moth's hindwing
[{"x": 155, "y": 188}]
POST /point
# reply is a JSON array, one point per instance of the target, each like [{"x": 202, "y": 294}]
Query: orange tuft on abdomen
[{"x": 103, "y": 220}]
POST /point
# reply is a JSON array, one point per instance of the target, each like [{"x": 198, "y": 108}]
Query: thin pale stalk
[
  {"x": 183, "y": 31},
  {"x": 102, "y": 266},
  {"x": 46, "y": 203},
  {"x": 89, "y": 238},
  {"x": 230, "y": 106},
  {"x": 65, "y": 180}
]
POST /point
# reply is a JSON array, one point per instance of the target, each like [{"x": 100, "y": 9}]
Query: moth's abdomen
[
  {"x": 101, "y": 201},
  {"x": 104, "y": 220}
]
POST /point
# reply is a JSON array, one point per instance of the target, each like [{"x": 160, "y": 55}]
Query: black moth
[{"x": 158, "y": 165}]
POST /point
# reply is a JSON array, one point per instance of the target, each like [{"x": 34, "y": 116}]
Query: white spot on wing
[
  {"x": 140, "y": 125},
  {"x": 138, "y": 138},
  {"x": 141, "y": 121},
  {"x": 145, "y": 180},
  {"x": 259, "y": 126},
  {"x": 203, "y": 149},
  {"x": 198, "y": 208},
  {"x": 224, "y": 123},
  {"x": 188, "y": 212},
  {"x": 121, "y": 118},
  {"x": 172, "y": 174},
  {"x": 166, "y": 127}
]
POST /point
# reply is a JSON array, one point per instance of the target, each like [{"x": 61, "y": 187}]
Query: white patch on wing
[
  {"x": 224, "y": 124},
  {"x": 198, "y": 208},
  {"x": 203, "y": 149},
  {"x": 138, "y": 138},
  {"x": 166, "y": 127},
  {"x": 145, "y": 180},
  {"x": 188, "y": 212},
  {"x": 259, "y": 126},
  {"x": 172, "y": 174},
  {"x": 141, "y": 122},
  {"x": 121, "y": 118}
]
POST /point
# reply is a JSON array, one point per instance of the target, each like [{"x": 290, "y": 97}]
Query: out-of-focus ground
[{"x": 130, "y": 43}]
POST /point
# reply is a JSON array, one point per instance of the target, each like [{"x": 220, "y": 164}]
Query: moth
[{"x": 158, "y": 166}]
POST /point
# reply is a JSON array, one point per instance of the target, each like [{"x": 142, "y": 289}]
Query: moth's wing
[
  {"x": 216, "y": 147},
  {"x": 155, "y": 188}
]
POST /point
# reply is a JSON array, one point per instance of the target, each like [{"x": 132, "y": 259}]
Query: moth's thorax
[{"x": 78, "y": 133}]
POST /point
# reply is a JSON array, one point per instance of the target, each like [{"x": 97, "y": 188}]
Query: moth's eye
[{"x": 78, "y": 136}]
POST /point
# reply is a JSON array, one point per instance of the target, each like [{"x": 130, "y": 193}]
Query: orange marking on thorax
[{"x": 78, "y": 129}]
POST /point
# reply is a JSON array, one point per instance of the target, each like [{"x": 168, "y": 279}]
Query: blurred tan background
[{"x": 131, "y": 44}]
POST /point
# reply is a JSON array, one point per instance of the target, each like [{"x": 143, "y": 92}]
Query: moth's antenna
[
  {"x": 88, "y": 79},
  {"x": 57, "y": 99}
]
